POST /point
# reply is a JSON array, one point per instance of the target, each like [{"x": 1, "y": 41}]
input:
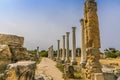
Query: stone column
[
  {"x": 50, "y": 52},
  {"x": 63, "y": 49},
  {"x": 37, "y": 53},
  {"x": 83, "y": 49},
  {"x": 78, "y": 53},
  {"x": 92, "y": 39},
  {"x": 58, "y": 51},
  {"x": 73, "y": 60},
  {"x": 67, "y": 47}
]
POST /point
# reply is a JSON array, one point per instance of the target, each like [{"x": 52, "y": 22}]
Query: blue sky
[{"x": 43, "y": 22}]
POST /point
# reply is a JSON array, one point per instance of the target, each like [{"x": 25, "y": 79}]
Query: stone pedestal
[
  {"x": 93, "y": 65},
  {"x": 67, "y": 60},
  {"x": 21, "y": 71},
  {"x": 73, "y": 60}
]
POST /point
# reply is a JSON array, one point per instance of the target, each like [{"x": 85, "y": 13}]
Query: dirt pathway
[{"x": 48, "y": 67}]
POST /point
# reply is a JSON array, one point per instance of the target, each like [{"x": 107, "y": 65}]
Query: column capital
[
  {"x": 90, "y": 0},
  {"x": 67, "y": 33},
  {"x": 82, "y": 21},
  {"x": 58, "y": 40},
  {"x": 63, "y": 36},
  {"x": 73, "y": 27}
]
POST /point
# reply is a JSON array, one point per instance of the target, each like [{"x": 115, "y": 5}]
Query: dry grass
[
  {"x": 104, "y": 61},
  {"x": 110, "y": 60}
]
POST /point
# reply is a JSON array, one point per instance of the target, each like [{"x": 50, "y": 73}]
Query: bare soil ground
[{"x": 48, "y": 67}]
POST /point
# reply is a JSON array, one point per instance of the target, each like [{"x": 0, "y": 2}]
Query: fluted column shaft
[
  {"x": 67, "y": 47},
  {"x": 73, "y": 45},
  {"x": 63, "y": 48},
  {"x": 83, "y": 48},
  {"x": 58, "y": 51}
]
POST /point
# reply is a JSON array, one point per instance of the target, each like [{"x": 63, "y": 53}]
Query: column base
[
  {"x": 83, "y": 65},
  {"x": 67, "y": 61},
  {"x": 73, "y": 62},
  {"x": 57, "y": 59},
  {"x": 62, "y": 61}
]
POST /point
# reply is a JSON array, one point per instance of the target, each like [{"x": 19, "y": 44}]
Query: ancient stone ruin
[
  {"x": 5, "y": 56},
  {"x": 23, "y": 70},
  {"x": 92, "y": 39},
  {"x": 15, "y": 45},
  {"x": 12, "y": 51},
  {"x": 50, "y": 52}
]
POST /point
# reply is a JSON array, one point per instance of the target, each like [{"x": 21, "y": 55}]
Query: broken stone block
[
  {"x": 23, "y": 70},
  {"x": 11, "y": 40},
  {"x": 43, "y": 77},
  {"x": 69, "y": 71},
  {"x": 2, "y": 77},
  {"x": 5, "y": 57},
  {"x": 19, "y": 53},
  {"x": 99, "y": 76}
]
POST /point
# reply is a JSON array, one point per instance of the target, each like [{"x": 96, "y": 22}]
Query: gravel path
[{"x": 48, "y": 67}]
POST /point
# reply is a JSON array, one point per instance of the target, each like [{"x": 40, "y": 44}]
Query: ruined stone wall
[{"x": 11, "y": 50}]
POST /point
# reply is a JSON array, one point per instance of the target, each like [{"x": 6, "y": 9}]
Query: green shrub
[
  {"x": 43, "y": 53},
  {"x": 112, "y": 53}
]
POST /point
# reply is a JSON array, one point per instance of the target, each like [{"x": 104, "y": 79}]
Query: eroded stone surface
[
  {"x": 92, "y": 39},
  {"x": 19, "y": 53},
  {"x": 5, "y": 56},
  {"x": 24, "y": 70},
  {"x": 69, "y": 71},
  {"x": 91, "y": 25},
  {"x": 11, "y": 40}
]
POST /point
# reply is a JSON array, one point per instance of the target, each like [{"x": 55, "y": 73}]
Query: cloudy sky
[{"x": 43, "y": 22}]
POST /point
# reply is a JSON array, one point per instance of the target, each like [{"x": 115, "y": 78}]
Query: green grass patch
[{"x": 60, "y": 67}]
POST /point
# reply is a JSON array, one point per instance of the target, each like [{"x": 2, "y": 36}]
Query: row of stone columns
[{"x": 65, "y": 55}]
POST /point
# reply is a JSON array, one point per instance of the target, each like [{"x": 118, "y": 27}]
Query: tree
[
  {"x": 112, "y": 53},
  {"x": 43, "y": 53}
]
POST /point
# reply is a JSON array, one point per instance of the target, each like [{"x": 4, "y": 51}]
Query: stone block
[
  {"x": 69, "y": 71},
  {"x": 99, "y": 76},
  {"x": 5, "y": 56},
  {"x": 23, "y": 70},
  {"x": 11, "y": 40},
  {"x": 19, "y": 53},
  {"x": 109, "y": 76}
]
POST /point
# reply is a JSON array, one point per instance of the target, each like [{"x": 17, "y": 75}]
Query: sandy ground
[{"x": 48, "y": 67}]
